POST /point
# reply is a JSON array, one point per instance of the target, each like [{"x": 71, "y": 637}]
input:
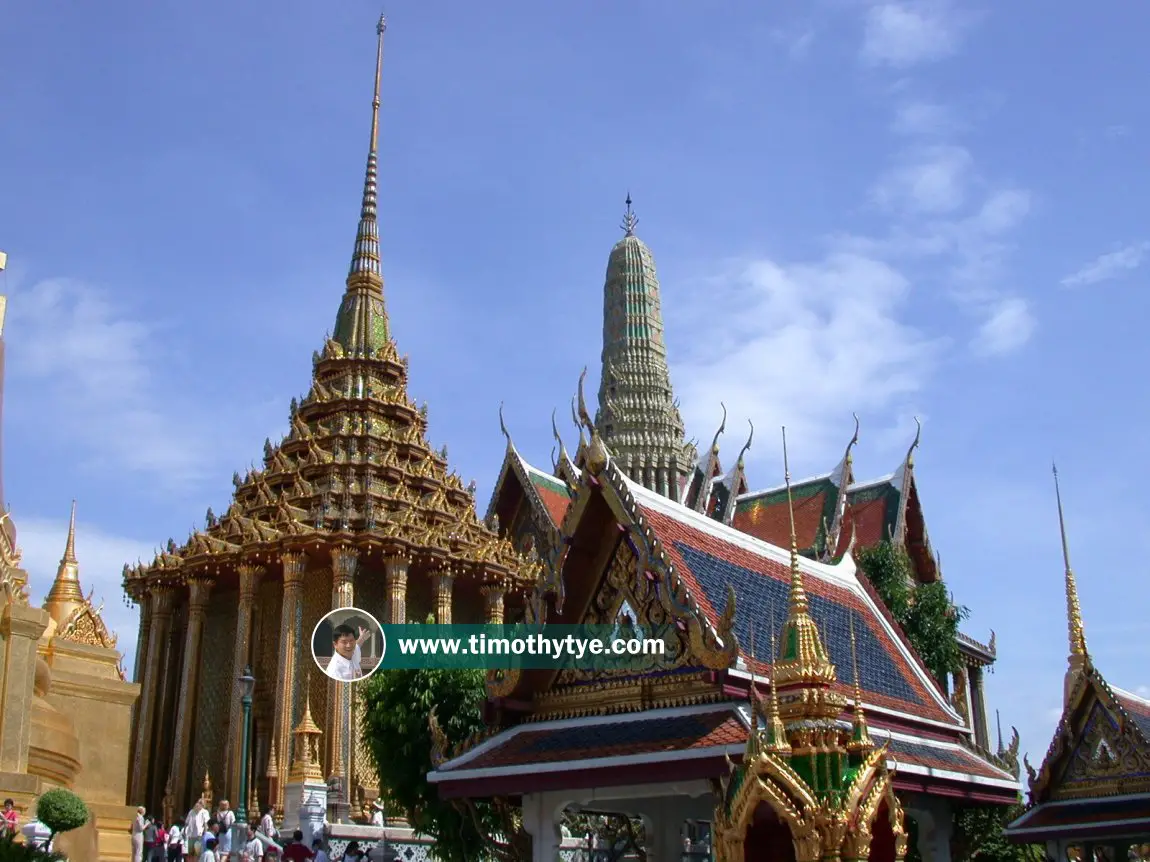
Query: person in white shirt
[
  {"x": 195, "y": 825},
  {"x": 346, "y": 663},
  {"x": 209, "y": 854},
  {"x": 254, "y": 848},
  {"x": 175, "y": 843}
]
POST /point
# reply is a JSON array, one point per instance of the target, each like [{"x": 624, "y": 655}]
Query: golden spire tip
[
  {"x": 1076, "y": 630},
  {"x": 798, "y": 594},
  {"x": 70, "y": 545}
]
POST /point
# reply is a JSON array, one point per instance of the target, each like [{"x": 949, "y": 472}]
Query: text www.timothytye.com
[{"x": 539, "y": 645}]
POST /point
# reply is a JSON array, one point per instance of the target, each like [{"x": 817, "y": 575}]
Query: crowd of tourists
[{"x": 207, "y": 836}]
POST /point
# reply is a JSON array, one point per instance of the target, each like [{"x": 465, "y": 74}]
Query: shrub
[{"x": 61, "y": 810}]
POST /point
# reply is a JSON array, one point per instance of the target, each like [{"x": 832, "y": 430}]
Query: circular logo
[{"x": 348, "y": 644}]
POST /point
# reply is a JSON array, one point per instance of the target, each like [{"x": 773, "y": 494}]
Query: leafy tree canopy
[
  {"x": 925, "y": 612},
  {"x": 61, "y": 810},
  {"x": 397, "y": 733},
  {"x": 978, "y": 833}
]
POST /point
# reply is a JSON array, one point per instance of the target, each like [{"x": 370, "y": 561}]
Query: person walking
[
  {"x": 268, "y": 825},
  {"x": 195, "y": 827},
  {"x": 138, "y": 826},
  {"x": 226, "y": 818},
  {"x": 175, "y": 843}
]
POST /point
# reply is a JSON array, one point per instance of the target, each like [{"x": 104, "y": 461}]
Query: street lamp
[{"x": 247, "y": 686}]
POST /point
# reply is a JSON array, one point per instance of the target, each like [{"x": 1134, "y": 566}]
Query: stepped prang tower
[{"x": 638, "y": 416}]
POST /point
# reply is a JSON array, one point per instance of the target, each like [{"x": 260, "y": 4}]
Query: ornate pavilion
[
  {"x": 352, "y": 506},
  {"x": 1090, "y": 798},
  {"x": 856, "y": 735}
]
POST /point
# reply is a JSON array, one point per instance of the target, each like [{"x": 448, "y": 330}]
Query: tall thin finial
[
  {"x": 70, "y": 545},
  {"x": 630, "y": 220},
  {"x": 861, "y": 737},
  {"x": 365, "y": 258},
  {"x": 798, "y": 594},
  {"x": 1076, "y": 631},
  {"x": 775, "y": 731}
]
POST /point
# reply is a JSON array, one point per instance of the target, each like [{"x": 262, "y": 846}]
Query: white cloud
[
  {"x": 102, "y": 557},
  {"x": 1109, "y": 266},
  {"x": 905, "y": 34},
  {"x": 90, "y": 366},
  {"x": 926, "y": 180},
  {"x": 835, "y": 342},
  {"x": 924, "y": 119},
  {"x": 1008, "y": 326}
]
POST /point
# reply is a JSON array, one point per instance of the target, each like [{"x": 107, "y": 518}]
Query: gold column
[
  {"x": 395, "y": 567},
  {"x": 444, "y": 581},
  {"x": 294, "y": 566},
  {"x": 494, "y": 595},
  {"x": 199, "y": 589},
  {"x": 344, "y": 563},
  {"x": 162, "y": 600},
  {"x": 20, "y": 630},
  {"x": 249, "y": 583}
]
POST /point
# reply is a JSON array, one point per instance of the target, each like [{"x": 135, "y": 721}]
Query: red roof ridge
[
  {"x": 775, "y": 489},
  {"x": 837, "y": 573}
]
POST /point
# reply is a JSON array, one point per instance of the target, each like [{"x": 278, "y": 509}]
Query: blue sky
[{"x": 895, "y": 208}]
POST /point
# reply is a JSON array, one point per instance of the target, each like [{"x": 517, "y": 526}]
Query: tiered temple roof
[{"x": 355, "y": 466}]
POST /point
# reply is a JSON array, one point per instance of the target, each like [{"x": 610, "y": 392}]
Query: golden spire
[
  {"x": 803, "y": 658},
  {"x": 305, "y": 764},
  {"x": 361, "y": 325},
  {"x": 753, "y": 696},
  {"x": 66, "y": 596},
  {"x": 365, "y": 259},
  {"x": 776, "y": 734},
  {"x": 860, "y": 739},
  {"x": 1076, "y": 632}
]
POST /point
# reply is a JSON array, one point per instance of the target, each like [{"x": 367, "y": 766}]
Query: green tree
[
  {"x": 61, "y": 811},
  {"x": 617, "y": 836},
  {"x": 396, "y": 726},
  {"x": 924, "y": 611},
  {"x": 978, "y": 835}
]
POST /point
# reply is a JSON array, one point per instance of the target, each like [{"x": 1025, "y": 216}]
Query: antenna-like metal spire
[{"x": 630, "y": 220}]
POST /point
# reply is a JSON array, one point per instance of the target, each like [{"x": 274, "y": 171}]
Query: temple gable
[{"x": 1106, "y": 755}]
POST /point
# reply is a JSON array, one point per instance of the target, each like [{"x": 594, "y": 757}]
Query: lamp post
[{"x": 247, "y": 686}]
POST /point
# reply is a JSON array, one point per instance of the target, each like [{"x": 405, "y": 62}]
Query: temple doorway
[{"x": 768, "y": 838}]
